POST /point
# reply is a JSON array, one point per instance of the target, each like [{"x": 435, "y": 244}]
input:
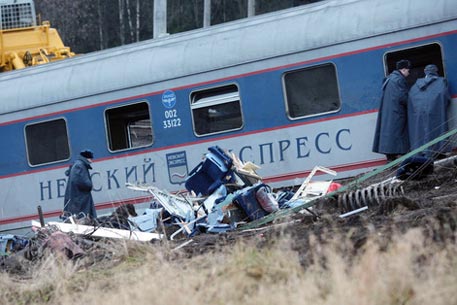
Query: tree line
[{"x": 87, "y": 26}]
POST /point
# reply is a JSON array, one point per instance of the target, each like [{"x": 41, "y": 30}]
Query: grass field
[{"x": 411, "y": 269}]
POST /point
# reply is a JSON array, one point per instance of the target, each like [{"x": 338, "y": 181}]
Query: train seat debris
[
  {"x": 222, "y": 193},
  {"x": 230, "y": 193},
  {"x": 256, "y": 202},
  {"x": 209, "y": 174}
]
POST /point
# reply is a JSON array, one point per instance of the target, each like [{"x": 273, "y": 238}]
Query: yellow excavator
[{"x": 23, "y": 43}]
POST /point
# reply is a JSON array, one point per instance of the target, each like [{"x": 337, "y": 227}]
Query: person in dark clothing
[
  {"x": 428, "y": 102},
  {"x": 78, "y": 197},
  {"x": 391, "y": 135}
]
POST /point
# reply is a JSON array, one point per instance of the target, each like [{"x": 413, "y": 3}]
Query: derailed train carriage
[{"x": 287, "y": 90}]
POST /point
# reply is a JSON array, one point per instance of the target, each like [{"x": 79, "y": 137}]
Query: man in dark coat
[
  {"x": 78, "y": 197},
  {"x": 428, "y": 102},
  {"x": 391, "y": 136}
]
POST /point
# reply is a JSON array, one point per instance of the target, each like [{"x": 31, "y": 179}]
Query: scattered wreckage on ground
[{"x": 223, "y": 194}]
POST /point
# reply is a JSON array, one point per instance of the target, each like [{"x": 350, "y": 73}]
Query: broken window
[
  {"x": 311, "y": 91},
  {"x": 419, "y": 57},
  {"x": 216, "y": 110},
  {"x": 129, "y": 126},
  {"x": 47, "y": 142}
]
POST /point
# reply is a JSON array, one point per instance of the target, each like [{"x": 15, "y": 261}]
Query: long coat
[
  {"x": 78, "y": 197},
  {"x": 428, "y": 102},
  {"x": 391, "y": 135}
]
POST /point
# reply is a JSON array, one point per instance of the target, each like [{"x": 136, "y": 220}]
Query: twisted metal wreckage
[{"x": 224, "y": 194}]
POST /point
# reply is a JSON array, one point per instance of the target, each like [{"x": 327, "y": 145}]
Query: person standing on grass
[{"x": 391, "y": 135}]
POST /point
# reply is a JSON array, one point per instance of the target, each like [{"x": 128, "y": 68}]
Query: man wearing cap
[
  {"x": 428, "y": 102},
  {"x": 391, "y": 135},
  {"x": 78, "y": 197}
]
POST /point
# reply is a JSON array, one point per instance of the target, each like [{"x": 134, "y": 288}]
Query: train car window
[
  {"x": 420, "y": 57},
  {"x": 47, "y": 142},
  {"x": 311, "y": 91},
  {"x": 216, "y": 110},
  {"x": 129, "y": 126}
]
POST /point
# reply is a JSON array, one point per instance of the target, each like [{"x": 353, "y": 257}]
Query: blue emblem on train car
[
  {"x": 177, "y": 167},
  {"x": 169, "y": 99}
]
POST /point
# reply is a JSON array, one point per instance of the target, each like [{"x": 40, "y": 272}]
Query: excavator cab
[{"x": 23, "y": 43}]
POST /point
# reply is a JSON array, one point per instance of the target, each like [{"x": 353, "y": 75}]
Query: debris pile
[
  {"x": 222, "y": 194},
  {"x": 19, "y": 253}
]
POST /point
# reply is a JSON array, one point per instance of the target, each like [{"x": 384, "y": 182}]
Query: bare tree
[
  {"x": 121, "y": 22},
  {"x": 207, "y": 13},
  {"x": 251, "y": 8},
  {"x": 137, "y": 36},
  {"x": 129, "y": 19},
  {"x": 100, "y": 25}
]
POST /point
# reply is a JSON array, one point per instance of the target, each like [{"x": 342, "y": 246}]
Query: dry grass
[{"x": 412, "y": 270}]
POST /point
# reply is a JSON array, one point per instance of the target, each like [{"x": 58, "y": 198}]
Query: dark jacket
[
  {"x": 427, "y": 113},
  {"x": 78, "y": 197},
  {"x": 391, "y": 135}
]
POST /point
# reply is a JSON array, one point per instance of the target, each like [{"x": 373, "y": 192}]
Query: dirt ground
[{"x": 429, "y": 203}]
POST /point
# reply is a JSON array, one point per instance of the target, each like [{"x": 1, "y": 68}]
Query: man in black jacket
[
  {"x": 78, "y": 196},
  {"x": 391, "y": 136}
]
